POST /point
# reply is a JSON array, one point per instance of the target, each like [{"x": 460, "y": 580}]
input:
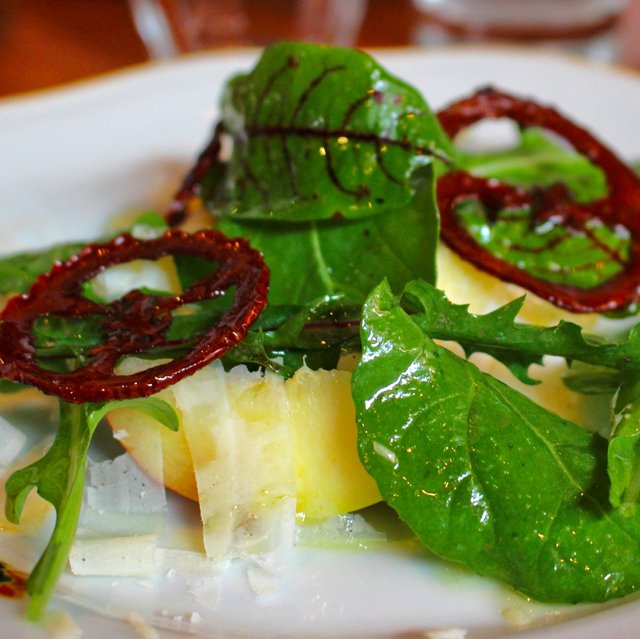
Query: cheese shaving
[
  {"x": 243, "y": 459},
  {"x": 115, "y": 556},
  {"x": 340, "y": 531},
  {"x": 12, "y": 442}
]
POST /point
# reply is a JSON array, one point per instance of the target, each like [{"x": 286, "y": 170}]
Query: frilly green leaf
[{"x": 516, "y": 345}]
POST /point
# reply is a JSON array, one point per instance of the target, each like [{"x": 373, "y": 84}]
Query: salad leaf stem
[{"x": 59, "y": 479}]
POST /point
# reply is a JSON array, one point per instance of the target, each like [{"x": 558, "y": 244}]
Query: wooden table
[{"x": 45, "y": 43}]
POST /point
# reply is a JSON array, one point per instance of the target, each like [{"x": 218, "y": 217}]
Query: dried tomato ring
[
  {"x": 191, "y": 187},
  {"x": 620, "y": 207},
  {"x": 136, "y": 322}
]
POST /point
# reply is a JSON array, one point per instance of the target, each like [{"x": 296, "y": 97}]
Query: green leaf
[
  {"x": 549, "y": 249},
  {"x": 313, "y": 259},
  {"x": 624, "y": 446},
  {"x": 160, "y": 410},
  {"x": 150, "y": 219},
  {"x": 8, "y": 388},
  {"x": 516, "y": 345},
  {"x": 19, "y": 272},
  {"x": 483, "y": 475},
  {"x": 59, "y": 478},
  {"x": 592, "y": 380},
  {"x": 545, "y": 246},
  {"x": 539, "y": 161},
  {"x": 322, "y": 133},
  {"x": 315, "y": 336},
  {"x": 251, "y": 351}
]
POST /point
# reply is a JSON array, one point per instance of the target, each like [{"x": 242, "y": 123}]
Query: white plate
[{"x": 74, "y": 157}]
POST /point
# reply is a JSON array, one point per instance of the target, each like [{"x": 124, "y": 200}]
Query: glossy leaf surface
[
  {"x": 323, "y": 133},
  {"x": 348, "y": 257},
  {"x": 624, "y": 446},
  {"x": 583, "y": 256},
  {"x": 483, "y": 475}
]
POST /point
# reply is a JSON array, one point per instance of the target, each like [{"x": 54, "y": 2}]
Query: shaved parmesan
[
  {"x": 61, "y": 625},
  {"x": 120, "y": 485},
  {"x": 262, "y": 582},
  {"x": 202, "y": 576},
  {"x": 342, "y": 530},
  {"x": 447, "y": 633},
  {"x": 115, "y": 556},
  {"x": 243, "y": 458},
  {"x": 140, "y": 625},
  {"x": 12, "y": 442},
  {"x": 122, "y": 500}
]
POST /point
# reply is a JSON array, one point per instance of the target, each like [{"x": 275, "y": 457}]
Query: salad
[{"x": 334, "y": 216}]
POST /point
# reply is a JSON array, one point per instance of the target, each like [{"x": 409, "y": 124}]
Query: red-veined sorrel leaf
[{"x": 318, "y": 133}]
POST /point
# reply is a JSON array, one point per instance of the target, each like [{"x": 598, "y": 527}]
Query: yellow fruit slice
[
  {"x": 136, "y": 431},
  {"x": 239, "y": 424},
  {"x": 463, "y": 283},
  {"x": 330, "y": 478}
]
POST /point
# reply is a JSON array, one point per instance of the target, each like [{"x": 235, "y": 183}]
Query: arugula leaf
[
  {"x": 314, "y": 334},
  {"x": 253, "y": 352},
  {"x": 8, "y": 388},
  {"x": 309, "y": 260},
  {"x": 623, "y": 455},
  {"x": 59, "y": 478},
  {"x": 516, "y": 345},
  {"x": 322, "y": 133},
  {"x": 592, "y": 380},
  {"x": 483, "y": 475},
  {"x": 539, "y": 161}
]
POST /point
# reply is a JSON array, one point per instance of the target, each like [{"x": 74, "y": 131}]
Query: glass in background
[
  {"x": 586, "y": 27},
  {"x": 168, "y": 27}
]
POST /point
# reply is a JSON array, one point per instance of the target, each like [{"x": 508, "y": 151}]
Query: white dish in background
[{"x": 74, "y": 157}]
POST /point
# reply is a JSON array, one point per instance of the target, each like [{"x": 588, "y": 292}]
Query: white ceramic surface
[{"x": 74, "y": 157}]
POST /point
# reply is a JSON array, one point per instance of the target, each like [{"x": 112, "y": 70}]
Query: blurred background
[{"x": 45, "y": 43}]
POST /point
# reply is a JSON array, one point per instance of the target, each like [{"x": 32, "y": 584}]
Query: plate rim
[{"x": 95, "y": 85}]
